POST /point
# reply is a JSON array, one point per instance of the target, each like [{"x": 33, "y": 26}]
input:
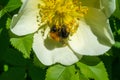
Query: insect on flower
[
  {"x": 73, "y": 28},
  {"x": 59, "y": 34}
]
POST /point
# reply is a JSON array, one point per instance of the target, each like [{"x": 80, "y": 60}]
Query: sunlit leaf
[
  {"x": 59, "y": 72},
  {"x": 118, "y": 31},
  {"x": 117, "y": 44},
  {"x": 5, "y": 67},
  {"x": 23, "y": 44},
  {"x": 96, "y": 72},
  {"x": 8, "y": 23}
]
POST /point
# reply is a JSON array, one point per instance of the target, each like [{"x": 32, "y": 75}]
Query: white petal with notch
[{"x": 50, "y": 55}]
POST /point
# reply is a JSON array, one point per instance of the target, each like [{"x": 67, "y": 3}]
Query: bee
[{"x": 59, "y": 34}]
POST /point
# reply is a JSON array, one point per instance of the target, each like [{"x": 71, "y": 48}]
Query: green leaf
[
  {"x": 117, "y": 44},
  {"x": 59, "y": 72},
  {"x": 37, "y": 62},
  {"x": 36, "y": 73},
  {"x": 1, "y": 30},
  {"x": 4, "y": 42},
  {"x": 13, "y": 73},
  {"x": 2, "y": 12},
  {"x": 90, "y": 60},
  {"x": 108, "y": 62},
  {"x": 8, "y": 23},
  {"x": 14, "y": 57},
  {"x": 117, "y": 12},
  {"x": 12, "y": 5},
  {"x": 97, "y": 72},
  {"x": 23, "y": 44},
  {"x": 118, "y": 31},
  {"x": 5, "y": 67}
]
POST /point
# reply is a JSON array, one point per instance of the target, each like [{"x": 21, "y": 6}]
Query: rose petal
[
  {"x": 99, "y": 25},
  {"x": 108, "y": 6},
  {"x": 93, "y": 38},
  {"x": 85, "y": 42},
  {"x": 23, "y": 1},
  {"x": 91, "y": 3},
  {"x": 50, "y": 52},
  {"x": 25, "y": 22}
]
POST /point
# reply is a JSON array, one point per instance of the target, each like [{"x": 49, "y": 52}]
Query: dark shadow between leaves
[{"x": 90, "y": 60}]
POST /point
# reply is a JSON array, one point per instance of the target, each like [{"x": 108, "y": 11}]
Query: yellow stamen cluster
[{"x": 62, "y": 12}]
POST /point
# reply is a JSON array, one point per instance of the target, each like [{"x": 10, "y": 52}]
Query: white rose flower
[{"x": 64, "y": 30}]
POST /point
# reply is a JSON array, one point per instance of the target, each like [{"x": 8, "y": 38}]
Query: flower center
[{"x": 62, "y": 16}]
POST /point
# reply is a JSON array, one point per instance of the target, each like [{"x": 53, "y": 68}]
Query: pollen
[{"x": 62, "y": 12}]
